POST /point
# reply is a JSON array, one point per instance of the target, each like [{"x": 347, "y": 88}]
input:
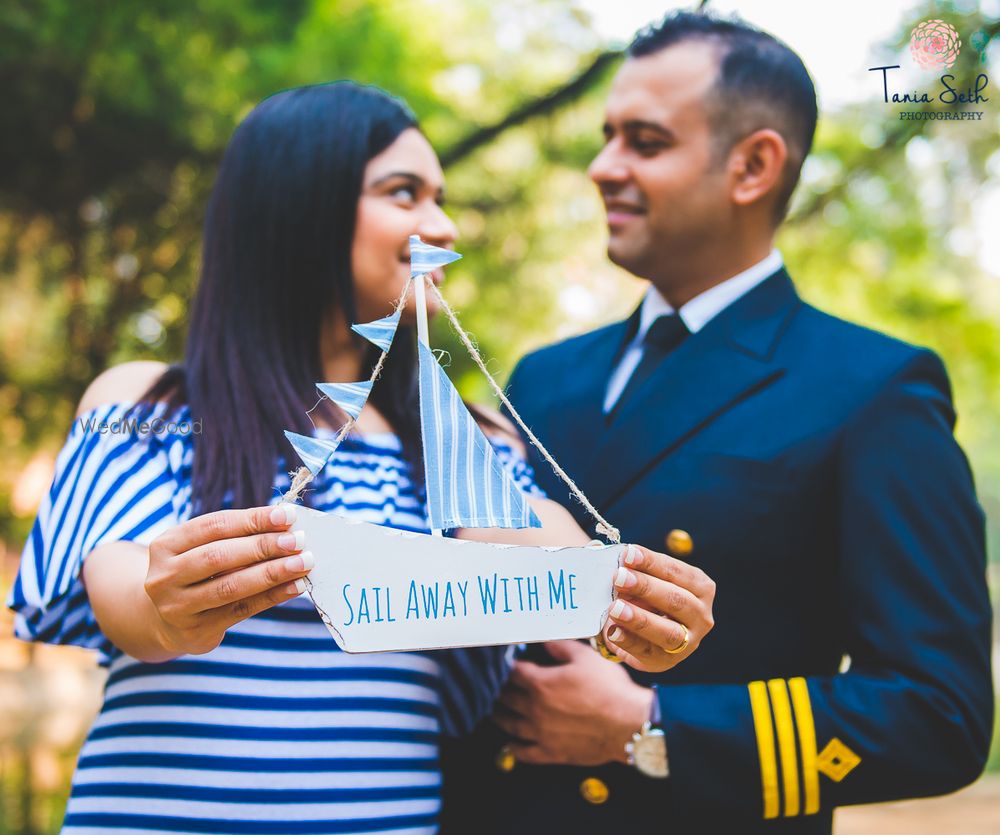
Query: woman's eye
[{"x": 407, "y": 193}]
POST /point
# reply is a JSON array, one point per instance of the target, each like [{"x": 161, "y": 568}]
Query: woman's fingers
[
  {"x": 226, "y": 524},
  {"x": 663, "y": 611},
  {"x": 662, "y": 596},
  {"x": 669, "y": 568},
  {"x": 232, "y": 614},
  {"x": 250, "y": 582},
  {"x": 226, "y": 555},
  {"x": 647, "y": 635}
]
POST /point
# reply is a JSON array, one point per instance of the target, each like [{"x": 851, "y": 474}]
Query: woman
[{"x": 228, "y": 708}]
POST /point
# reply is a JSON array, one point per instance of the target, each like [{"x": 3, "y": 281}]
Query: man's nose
[
  {"x": 436, "y": 227},
  {"x": 608, "y": 167}
]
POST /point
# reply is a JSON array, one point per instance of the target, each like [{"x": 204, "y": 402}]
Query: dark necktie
[{"x": 665, "y": 334}]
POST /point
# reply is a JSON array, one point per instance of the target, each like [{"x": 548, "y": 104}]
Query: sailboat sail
[{"x": 467, "y": 486}]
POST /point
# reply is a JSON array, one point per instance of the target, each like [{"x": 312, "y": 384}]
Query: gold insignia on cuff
[
  {"x": 764, "y": 730},
  {"x": 836, "y": 761}
]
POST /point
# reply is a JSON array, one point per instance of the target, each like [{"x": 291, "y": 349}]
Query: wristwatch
[{"x": 648, "y": 749}]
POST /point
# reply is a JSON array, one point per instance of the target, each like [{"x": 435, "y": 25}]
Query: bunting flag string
[
  {"x": 380, "y": 332},
  {"x": 314, "y": 452},
  {"x": 426, "y": 257},
  {"x": 351, "y": 397}
]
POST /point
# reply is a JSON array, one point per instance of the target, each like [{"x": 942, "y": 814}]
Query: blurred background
[{"x": 115, "y": 115}]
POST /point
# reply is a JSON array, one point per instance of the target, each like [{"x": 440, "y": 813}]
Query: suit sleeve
[{"x": 912, "y": 715}]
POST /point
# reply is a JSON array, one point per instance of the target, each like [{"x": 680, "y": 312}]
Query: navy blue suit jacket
[{"x": 813, "y": 463}]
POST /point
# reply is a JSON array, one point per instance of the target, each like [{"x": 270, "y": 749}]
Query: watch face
[{"x": 650, "y": 752}]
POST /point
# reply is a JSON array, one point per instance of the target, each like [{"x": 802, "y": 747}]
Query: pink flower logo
[{"x": 934, "y": 45}]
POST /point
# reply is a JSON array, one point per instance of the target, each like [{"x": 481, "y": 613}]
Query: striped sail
[
  {"x": 425, "y": 257},
  {"x": 314, "y": 452},
  {"x": 467, "y": 487},
  {"x": 380, "y": 332},
  {"x": 351, "y": 397}
]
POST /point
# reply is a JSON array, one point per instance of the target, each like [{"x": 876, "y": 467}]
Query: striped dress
[{"x": 276, "y": 730}]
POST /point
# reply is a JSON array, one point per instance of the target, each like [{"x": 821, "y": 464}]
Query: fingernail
[
  {"x": 631, "y": 554},
  {"x": 283, "y": 514},
  {"x": 615, "y": 634},
  {"x": 297, "y": 587},
  {"x": 621, "y": 611},
  {"x": 624, "y": 578},
  {"x": 292, "y": 541},
  {"x": 300, "y": 562}
]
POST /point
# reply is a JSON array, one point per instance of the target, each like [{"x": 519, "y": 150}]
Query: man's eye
[{"x": 644, "y": 146}]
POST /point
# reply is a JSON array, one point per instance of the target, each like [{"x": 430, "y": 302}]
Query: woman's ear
[{"x": 757, "y": 166}]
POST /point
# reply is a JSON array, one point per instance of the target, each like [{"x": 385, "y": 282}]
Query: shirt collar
[{"x": 704, "y": 307}]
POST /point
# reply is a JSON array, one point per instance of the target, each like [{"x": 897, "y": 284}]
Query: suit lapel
[
  {"x": 727, "y": 361},
  {"x": 579, "y": 416}
]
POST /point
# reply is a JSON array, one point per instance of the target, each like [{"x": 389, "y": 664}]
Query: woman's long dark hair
[{"x": 276, "y": 261}]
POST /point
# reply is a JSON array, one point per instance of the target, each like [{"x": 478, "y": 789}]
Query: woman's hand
[
  {"x": 218, "y": 569},
  {"x": 663, "y": 610}
]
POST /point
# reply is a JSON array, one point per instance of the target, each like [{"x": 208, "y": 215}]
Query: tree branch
[{"x": 537, "y": 107}]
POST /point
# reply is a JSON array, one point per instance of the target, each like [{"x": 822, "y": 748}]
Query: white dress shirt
[{"x": 695, "y": 314}]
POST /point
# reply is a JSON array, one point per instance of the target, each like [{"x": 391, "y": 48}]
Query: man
[{"x": 813, "y": 464}]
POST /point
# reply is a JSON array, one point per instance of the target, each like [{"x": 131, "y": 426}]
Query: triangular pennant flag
[
  {"x": 426, "y": 257},
  {"x": 351, "y": 397},
  {"x": 314, "y": 452},
  {"x": 380, "y": 332},
  {"x": 467, "y": 486}
]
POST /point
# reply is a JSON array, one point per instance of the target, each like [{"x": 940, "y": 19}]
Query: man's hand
[{"x": 581, "y": 712}]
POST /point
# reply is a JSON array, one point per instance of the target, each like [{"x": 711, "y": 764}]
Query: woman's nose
[{"x": 436, "y": 227}]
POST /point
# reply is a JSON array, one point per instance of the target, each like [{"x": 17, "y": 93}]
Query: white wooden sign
[{"x": 380, "y": 590}]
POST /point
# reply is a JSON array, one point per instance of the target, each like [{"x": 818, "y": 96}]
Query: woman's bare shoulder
[{"x": 123, "y": 383}]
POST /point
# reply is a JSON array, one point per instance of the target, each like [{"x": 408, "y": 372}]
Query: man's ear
[{"x": 757, "y": 166}]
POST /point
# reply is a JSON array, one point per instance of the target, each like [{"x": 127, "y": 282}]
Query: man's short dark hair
[{"x": 762, "y": 83}]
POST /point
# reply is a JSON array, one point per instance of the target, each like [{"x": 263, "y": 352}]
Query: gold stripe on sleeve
[
  {"x": 786, "y": 744},
  {"x": 765, "y": 746},
  {"x": 807, "y": 743}
]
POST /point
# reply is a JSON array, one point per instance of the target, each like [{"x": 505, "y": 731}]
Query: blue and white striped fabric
[
  {"x": 467, "y": 487},
  {"x": 314, "y": 452},
  {"x": 351, "y": 397},
  {"x": 380, "y": 332},
  {"x": 424, "y": 257},
  {"x": 276, "y": 731}
]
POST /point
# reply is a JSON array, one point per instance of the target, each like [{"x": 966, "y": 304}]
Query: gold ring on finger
[{"x": 684, "y": 643}]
